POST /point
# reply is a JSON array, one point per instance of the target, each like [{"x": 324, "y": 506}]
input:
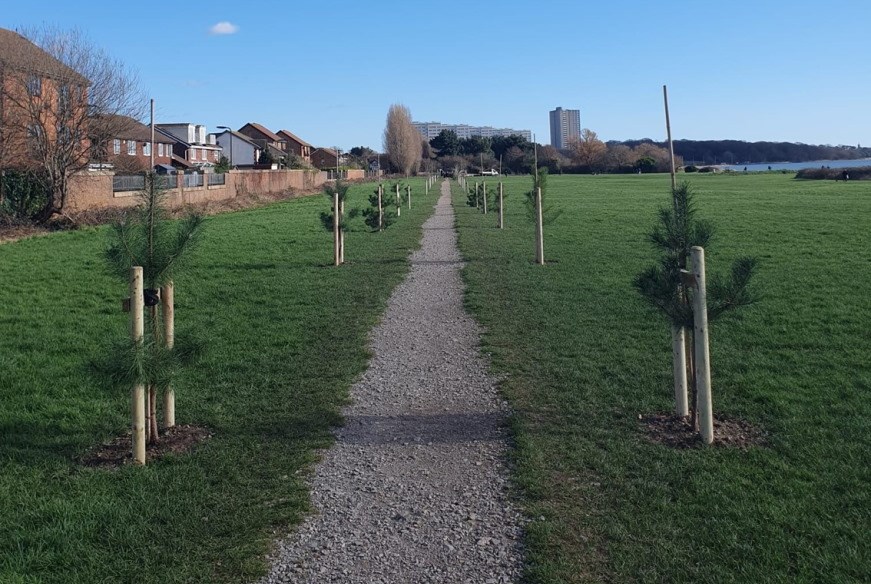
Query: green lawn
[
  {"x": 583, "y": 356},
  {"x": 287, "y": 336}
]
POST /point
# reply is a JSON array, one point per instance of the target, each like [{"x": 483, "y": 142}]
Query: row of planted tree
[
  {"x": 147, "y": 250},
  {"x": 378, "y": 216},
  {"x": 676, "y": 285}
]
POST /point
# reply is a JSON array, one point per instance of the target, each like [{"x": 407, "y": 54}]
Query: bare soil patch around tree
[
  {"x": 177, "y": 440},
  {"x": 676, "y": 431}
]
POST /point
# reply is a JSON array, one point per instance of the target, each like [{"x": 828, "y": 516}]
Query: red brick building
[
  {"x": 43, "y": 106},
  {"x": 295, "y": 145},
  {"x": 130, "y": 149},
  {"x": 324, "y": 158}
]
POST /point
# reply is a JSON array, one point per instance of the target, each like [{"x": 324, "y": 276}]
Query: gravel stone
[{"x": 416, "y": 488}]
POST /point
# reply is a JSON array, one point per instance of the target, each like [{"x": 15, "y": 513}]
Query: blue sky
[{"x": 795, "y": 70}]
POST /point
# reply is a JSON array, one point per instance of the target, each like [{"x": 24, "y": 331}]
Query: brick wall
[{"x": 93, "y": 190}]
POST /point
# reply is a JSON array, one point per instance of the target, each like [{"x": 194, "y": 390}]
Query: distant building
[
  {"x": 325, "y": 158},
  {"x": 430, "y": 130},
  {"x": 240, "y": 150},
  {"x": 565, "y": 125},
  {"x": 193, "y": 148}
]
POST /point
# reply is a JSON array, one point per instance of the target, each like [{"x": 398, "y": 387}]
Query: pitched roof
[
  {"x": 292, "y": 136},
  {"x": 329, "y": 151},
  {"x": 263, "y": 131},
  {"x": 19, "y": 53},
  {"x": 242, "y": 137},
  {"x": 130, "y": 129}
]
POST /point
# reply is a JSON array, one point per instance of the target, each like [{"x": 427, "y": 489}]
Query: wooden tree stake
[
  {"x": 137, "y": 332},
  {"x": 341, "y": 232},
  {"x": 501, "y": 215},
  {"x": 380, "y": 208},
  {"x": 336, "y": 228},
  {"x": 408, "y": 194},
  {"x": 484, "y": 191},
  {"x": 539, "y": 229},
  {"x": 398, "y": 202},
  {"x": 678, "y": 345},
  {"x": 702, "y": 350},
  {"x": 684, "y": 356},
  {"x": 167, "y": 308}
]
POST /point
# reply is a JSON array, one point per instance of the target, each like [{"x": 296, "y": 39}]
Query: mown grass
[
  {"x": 583, "y": 357},
  {"x": 286, "y": 337}
]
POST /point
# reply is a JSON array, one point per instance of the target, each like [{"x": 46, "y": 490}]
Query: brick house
[
  {"x": 43, "y": 106},
  {"x": 324, "y": 158},
  {"x": 261, "y": 136},
  {"x": 295, "y": 145},
  {"x": 130, "y": 149},
  {"x": 192, "y": 147}
]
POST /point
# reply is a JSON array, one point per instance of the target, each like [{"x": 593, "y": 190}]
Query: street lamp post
[{"x": 231, "y": 141}]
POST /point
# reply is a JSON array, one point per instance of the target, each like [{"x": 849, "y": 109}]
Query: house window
[
  {"x": 116, "y": 145},
  {"x": 160, "y": 149},
  {"x": 34, "y": 85},
  {"x": 146, "y": 148},
  {"x": 131, "y": 147},
  {"x": 63, "y": 98},
  {"x": 65, "y": 136},
  {"x": 193, "y": 153}
]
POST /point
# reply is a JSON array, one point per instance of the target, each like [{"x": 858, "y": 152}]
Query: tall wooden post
[
  {"x": 336, "y": 228},
  {"x": 137, "y": 332},
  {"x": 702, "y": 350},
  {"x": 484, "y": 192},
  {"x": 501, "y": 215},
  {"x": 683, "y": 356},
  {"x": 477, "y": 195},
  {"x": 408, "y": 194},
  {"x": 539, "y": 229},
  {"x": 380, "y": 208},
  {"x": 167, "y": 309},
  {"x": 668, "y": 132},
  {"x": 398, "y": 202}
]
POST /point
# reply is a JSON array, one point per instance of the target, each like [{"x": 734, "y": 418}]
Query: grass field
[
  {"x": 286, "y": 337},
  {"x": 583, "y": 356}
]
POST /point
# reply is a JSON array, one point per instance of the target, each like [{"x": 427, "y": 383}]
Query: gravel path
[{"x": 415, "y": 488}]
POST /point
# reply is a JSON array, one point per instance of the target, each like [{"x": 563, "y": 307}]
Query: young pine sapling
[{"x": 662, "y": 285}]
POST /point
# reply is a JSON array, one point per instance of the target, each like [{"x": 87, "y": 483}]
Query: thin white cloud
[{"x": 224, "y": 28}]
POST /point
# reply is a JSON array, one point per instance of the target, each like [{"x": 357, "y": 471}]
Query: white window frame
[
  {"x": 131, "y": 147},
  {"x": 193, "y": 153},
  {"x": 160, "y": 149},
  {"x": 116, "y": 145},
  {"x": 146, "y": 148}
]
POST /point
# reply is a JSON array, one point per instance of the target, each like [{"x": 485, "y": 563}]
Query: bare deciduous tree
[
  {"x": 588, "y": 151},
  {"x": 62, "y": 100},
  {"x": 402, "y": 141}
]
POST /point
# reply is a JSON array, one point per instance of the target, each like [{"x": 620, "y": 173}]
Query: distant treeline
[
  {"x": 700, "y": 152},
  {"x": 856, "y": 173}
]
